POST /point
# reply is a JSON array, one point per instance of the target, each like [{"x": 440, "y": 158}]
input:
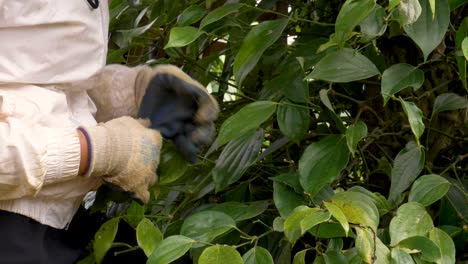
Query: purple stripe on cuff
[{"x": 90, "y": 148}]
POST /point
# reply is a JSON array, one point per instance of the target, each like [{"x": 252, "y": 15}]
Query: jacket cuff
[{"x": 62, "y": 159}]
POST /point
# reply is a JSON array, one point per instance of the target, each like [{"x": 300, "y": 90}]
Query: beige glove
[{"x": 125, "y": 153}]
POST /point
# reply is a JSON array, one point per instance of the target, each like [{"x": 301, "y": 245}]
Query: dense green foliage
[{"x": 343, "y": 136}]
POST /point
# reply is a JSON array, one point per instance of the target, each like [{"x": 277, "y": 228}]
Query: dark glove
[{"x": 179, "y": 107}]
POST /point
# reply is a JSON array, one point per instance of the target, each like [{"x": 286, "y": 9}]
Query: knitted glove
[
  {"x": 178, "y": 106},
  {"x": 125, "y": 153}
]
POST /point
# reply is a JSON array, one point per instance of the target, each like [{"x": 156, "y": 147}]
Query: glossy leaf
[
  {"x": 242, "y": 211},
  {"x": 428, "y": 189},
  {"x": 291, "y": 180},
  {"x": 409, "y": 11},
  {"x": 358, "y": 208},
  {"x": 220, "y": 254},
  {"x": 401, "y": 256},
  {"x": 182, "y": 36},
  {"x": 426, "y": 31},
  {"x": 313, "y": 219},
  {"x": 220, "y": 13},
  {"x": 449, "y": 102},
  {"x": 323, "y": 94},
  {"x": 328, "y": 230},
  {"x": 206, "y": 225},
  {"x": 344, "y": 65},
  {"x": 286, "y": 199},
  {"x": 445, "y": 244},
  {"x": 411, "y": 220},
  {"x": 382, "y": 252},
  {"x": 398, "y": 77},
  {"x": 379, "y": 200},
  {"x": 172, "y": 165},
  {"x": 278, "y": 224},
  {"x": 354, "y": 134},
  {"x": 334, "y": 257},
  {"x": 392, "y": 4},
  {"x": 374, "y": 24},
  {"x": 293, "y": 121},
  {"x": 365, "y": 244},
  {"x": 429, "y": 250},
  {"x": 190, "y": 15},
  {"x": 104, "y": 238},
  {"x": 257, "y": 255},
  {"x": 247, "y": 119},
  {"x": 415, "y": 118},
  {"x": 148, "y": 236},
  {"x": 407, "y": 165},
  {"x": 338, "y": 214},
  {"x": 351, "y": 14},
  {"x": 259, "y": 39},
  {"x": 236, "y": 158},
  {"x": 322, "y": 162},
  {"x": 292, "y": 227},
  {"x": 170, "y": 249}
]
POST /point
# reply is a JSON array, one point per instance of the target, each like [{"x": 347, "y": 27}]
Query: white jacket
[{"x": 45, "y": 44}]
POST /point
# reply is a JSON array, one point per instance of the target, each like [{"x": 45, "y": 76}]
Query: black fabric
[{"x": 171, "y": 104}]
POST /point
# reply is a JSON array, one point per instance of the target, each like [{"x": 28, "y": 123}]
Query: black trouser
[{"x": 26, "y": 241}]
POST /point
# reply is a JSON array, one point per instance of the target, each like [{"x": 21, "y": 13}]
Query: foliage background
[{"x": 342, "y": 136}]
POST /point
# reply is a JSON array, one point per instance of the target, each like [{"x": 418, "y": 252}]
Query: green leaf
[
  {"x": 344, "y": 65},
  {"x": 464, "y": 47},
  {"x": 445, "y": 244},
  {"x": 207, "y": 225},
  {"x": 313, "y": 219},
  {"x": 323, "y": 94},
  {"x": 170, "y": 249},
  {"x": 429, "y": 250},
  {"x": 242, "y": 211},
  {"x": 415, "y": 117},
  {"x": 379, "y": 200},
  {"x": 128, "y": 35},
  {"x": 392, "y": 4},
  {"x": 257, "y": 255},
  {"x": 449, "y": 102},
  {"x": 358, "y": 208},
  {"x": 220, "y": 13},
  {"x": 104, "y": 238},
  {"x": 398, "y": 77},
  {"x": 460, "y": 36},
  {"x": 148, "y": 236},
  {"x": 259, "y": 39},
  {"x": 428, "y": 189},
  {"x": 401, "y": 256},
  {"x": 407, "y": 165},
  {"x": 409, "y": 11},
  {"x": 182, "y": 36},
  {"x": 293, "y": 121},
  {"x": 292, "y": 227},
  {"x": 354, "y": 134},
  {"x": 454, "y": 4},
  {"x": 135, "y": 213},
  {"x": 286, "y": 199},
  {"x": 278, "y": 224},
  {"x": 328, "y": 230},
  {"x": 411, "y": 220},
  {"x": 299, "y": 258},
  {"x": 432, "y": 3},
  {"x": 338, "y": 214},
  {"x": 220, "y": 254},
  {"x": 236, "y": 158},
  {"x": 428, "y": 32},
  {"x": 374, "y": 24},
  {"x": 190, "y": 15},
  {"x": 365, "y": 243},
  {"x": 351, "y": 14},
  {"x": 322, "y": 162},
  {"x": 382, "y": 252},
  {"x": 291, "y": 180},
  {"x": 334, "y": 257},
  {"x": 248, "y": 118},
  {"x": 172, "y": 165}
]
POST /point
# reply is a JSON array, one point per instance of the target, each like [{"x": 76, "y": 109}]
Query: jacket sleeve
[
  {"x": 32, "y": 156},
  {"x": 115, "y": 90}
]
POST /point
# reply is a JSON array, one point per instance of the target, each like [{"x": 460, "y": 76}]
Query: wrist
[{"x": 85, "y": 155}]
